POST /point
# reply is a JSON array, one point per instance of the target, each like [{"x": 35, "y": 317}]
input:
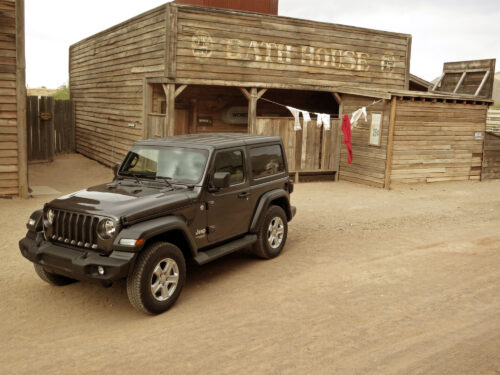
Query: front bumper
[{"x": 75, "y": 263}]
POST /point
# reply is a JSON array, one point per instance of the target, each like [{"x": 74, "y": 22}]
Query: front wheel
[
  {"x": 272, "y": 233},
  {"x": 157, "y": 278}
]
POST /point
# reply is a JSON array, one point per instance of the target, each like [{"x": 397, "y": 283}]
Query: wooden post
[
  {"x": 338, "y": 142},
  {"x": 147, "y": 96},
  {"x": 253, "y": 96},
  {"x": 169, "y": 90},
  {"x": 390, "y": 141},
  {"x": 22, "y": 143}
]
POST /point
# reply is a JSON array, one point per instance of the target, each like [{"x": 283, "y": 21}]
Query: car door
[{"x": 228, "y": 209}]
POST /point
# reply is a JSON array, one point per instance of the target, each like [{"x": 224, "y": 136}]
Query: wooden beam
[
  {"x": 179, "y": 90},
  {"x": 438, "y": 82},
  {"x": 337, "y": 97},
  {"x": 245, "y": 93},
  {"x": 370, "y": 93},
  {"x": 460, "y": 82},
  {"x": 22, "y": 140},
  {"x": 482, "y": 83},
  {"x": 390, "y": 141},
  {"x": 171, "y": 19},
  {"x": 260, "y": 93}
]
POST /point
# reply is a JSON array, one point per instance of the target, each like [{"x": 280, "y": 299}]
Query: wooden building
[
  {"x": 13, "y": 153},
  {"x": 189, "y": 69}
]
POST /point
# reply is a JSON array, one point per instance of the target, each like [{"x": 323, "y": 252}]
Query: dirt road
[{"x": 371, "y": 282}]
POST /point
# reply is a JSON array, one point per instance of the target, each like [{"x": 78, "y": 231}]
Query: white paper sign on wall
[{"x": 375, "y": 129}]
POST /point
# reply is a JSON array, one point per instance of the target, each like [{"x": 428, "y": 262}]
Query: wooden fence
[
  {"x": 312, "y": 149},
  {"x": 50, "y": 127}
]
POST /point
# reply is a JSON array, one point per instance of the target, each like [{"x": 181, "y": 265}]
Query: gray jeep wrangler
[{"x": 194, "y": 197}]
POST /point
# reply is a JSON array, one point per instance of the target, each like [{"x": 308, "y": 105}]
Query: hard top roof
[{"x": 210, "y": 140}]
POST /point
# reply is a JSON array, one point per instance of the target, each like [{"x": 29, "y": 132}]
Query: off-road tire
[
  {"x": 52, "y": 278},
  {"x": 139, "y": 281},
  {"x": 262, "y": 248}
]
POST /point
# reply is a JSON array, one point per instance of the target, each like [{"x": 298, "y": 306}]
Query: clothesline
[
  {"x": 331, "y": 114},
  {"x": 285, "y": 106}
]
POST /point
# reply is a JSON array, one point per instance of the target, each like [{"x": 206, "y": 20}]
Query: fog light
[{"x": 100, "y": 270}]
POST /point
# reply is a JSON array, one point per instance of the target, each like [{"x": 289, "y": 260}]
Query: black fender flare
[
  {"x": 152, "y": 228},
  {"x": 263, "y": 205}
]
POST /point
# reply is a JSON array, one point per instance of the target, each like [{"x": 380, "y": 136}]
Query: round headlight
[
  {"x": 107, "y": 228},
  {"x": 50, "y": 216}
]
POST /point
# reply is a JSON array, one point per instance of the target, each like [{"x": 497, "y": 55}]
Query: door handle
[{"x": 245, "y": 194}]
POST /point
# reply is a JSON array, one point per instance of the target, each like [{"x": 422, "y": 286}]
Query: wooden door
[{"x": 40, "y": 128}]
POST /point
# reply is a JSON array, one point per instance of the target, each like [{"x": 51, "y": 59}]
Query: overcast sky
[{"x": 442, "y": 30}]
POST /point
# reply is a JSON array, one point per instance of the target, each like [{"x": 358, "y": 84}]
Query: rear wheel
[
  {"x": 52, "y": 278},
  {"x": 157, "y": 278},
  {"x": 272, "y": 233}
]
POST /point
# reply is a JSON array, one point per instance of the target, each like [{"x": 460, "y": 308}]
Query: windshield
[{"x": 179, "y": 164}]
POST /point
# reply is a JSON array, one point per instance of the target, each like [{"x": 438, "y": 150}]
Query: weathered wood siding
[
  {"x": 9, "y": 168},
  {"x": 311, "y": 149},
  {"x": 107, "y": 73},
  {"x": 368, "y": 165},
  {"x": 491, "y": 159},
  {"x": 226, "y": 46},
  {"x": 436, "y": 141}
]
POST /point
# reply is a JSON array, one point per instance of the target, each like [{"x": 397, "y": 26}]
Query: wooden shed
[
  {"x": 13, "y": 153},
  {"x": 424, "y": 137},
  {"x": 189, "y": 69}
]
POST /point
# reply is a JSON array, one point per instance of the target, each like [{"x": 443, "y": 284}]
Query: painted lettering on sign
[{"x": 272, "y": 52}]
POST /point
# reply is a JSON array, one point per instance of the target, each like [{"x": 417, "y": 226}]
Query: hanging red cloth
[{"x": 346, "y": 129}]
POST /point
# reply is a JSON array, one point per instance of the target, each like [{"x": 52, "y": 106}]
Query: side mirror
[
  {"x": 221, "y": 180},
  {"x": 116, "y": 168}
]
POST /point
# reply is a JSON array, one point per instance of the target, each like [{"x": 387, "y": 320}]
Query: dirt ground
[{"x": 371, "y": 281}]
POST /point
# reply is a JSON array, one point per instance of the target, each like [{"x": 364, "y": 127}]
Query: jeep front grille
[{"x": 75, "y": 229}]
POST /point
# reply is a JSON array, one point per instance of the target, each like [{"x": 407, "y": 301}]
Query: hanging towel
[
  {"x": 346, "y": 129},
  {"x": 356, "y": 116},
  {"x": 326, "y": 120},
  {"x": 323, "y": 119},
  {"x": 296, "y": 116},
  {"x": 319, "y": 119},
  {"x": 307, "y": 117}
]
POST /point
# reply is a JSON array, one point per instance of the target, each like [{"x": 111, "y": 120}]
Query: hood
[{"x": 129, "y": 203}]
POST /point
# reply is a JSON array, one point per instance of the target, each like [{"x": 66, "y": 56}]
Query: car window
[
  {"x": 232, "y": 162},
  {"x": 266, "y": 161}
]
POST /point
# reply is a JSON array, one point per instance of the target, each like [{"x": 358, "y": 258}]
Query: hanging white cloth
[
  {"x": 296, "y": 115},
  {"x": 319, "y": 119},
  {"x": 356, "y": 116},
  {"x": 307, "y": 117},
  {"x": 326, "y": 120},
  {"x": 323, "y": 119}
]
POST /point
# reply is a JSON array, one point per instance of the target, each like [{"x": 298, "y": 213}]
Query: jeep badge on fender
[{"x": 198, "y": 196}]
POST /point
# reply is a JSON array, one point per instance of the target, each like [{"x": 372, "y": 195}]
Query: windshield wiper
[
  {"x": 166, "y": 180},
  {"x": 132, "y": 175}
]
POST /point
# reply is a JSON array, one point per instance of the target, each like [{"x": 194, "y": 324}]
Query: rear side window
[{"x": 267, "y": 161}]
